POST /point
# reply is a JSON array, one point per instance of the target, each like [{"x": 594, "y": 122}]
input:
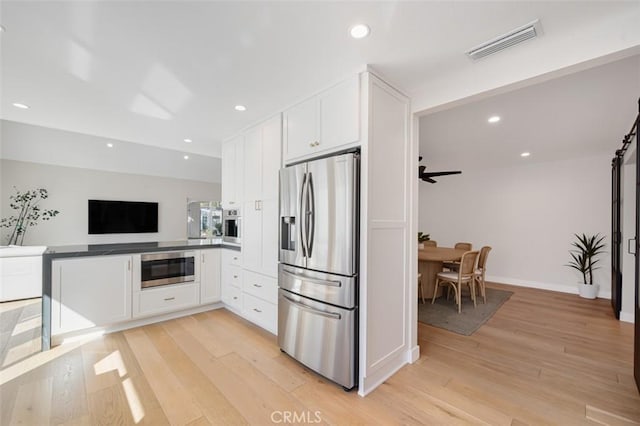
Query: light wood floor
[
  {"x": 544, "y": 358},
  {"x": 20, "y": 324}
]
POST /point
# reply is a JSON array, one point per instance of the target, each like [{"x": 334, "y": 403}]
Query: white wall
[
  {"x": 75, "y": 167},
  {"x": 528, "y": 214},
  {"x": 70, "y": 188}
]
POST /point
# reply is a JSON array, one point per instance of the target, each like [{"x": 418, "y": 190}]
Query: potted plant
[
  {"x": 584, "y": 257},
  {"x": 29, "y": 213},
  {"x": 421, "y": 239}
]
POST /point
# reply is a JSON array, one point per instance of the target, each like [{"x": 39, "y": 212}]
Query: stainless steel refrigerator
[{"x": 318, "y": 270}]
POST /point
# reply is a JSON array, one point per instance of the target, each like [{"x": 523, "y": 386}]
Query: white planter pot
[
  {"x": 420, "y": 246},
  {"x": 588, "y": 291}
]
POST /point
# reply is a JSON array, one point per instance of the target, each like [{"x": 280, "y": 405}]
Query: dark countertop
[{"x": 129, "y": 248}]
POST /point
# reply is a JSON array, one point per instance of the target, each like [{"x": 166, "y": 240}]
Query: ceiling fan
[{"x": 427, "y": 176}]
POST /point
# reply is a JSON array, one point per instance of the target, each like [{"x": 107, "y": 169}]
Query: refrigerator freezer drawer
[
  {"x": 327, "y": 288},
  {"x": 320, "y": 336}
]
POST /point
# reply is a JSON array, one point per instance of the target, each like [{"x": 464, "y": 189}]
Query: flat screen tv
[{"x": 122, "y": 217}]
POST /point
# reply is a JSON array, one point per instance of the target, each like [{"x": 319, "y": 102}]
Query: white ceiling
[
  {"x": 156, "y": 72},
  {"x": 582, "y": 114}
]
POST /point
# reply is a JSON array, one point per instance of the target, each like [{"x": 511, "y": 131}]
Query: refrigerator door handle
[
  {"x": 328, "y": 283},
  {"x": 311, "y": 214},
  {"x": 303, "y": 215},
  {"x": 308, "y": 308}
]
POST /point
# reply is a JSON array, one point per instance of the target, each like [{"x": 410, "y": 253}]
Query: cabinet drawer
[
  {"x": 232, "y": 275},
  {"x": 232, "y": 296},
  {"x": 260, "y": 286},
  {"x": 260, "y": 312},
  {"x": 231, "y": 257},
  {"x": 170, "y": 298}
]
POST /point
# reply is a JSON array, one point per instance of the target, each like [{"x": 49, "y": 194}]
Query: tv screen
[{"x": 122, "y": 217}]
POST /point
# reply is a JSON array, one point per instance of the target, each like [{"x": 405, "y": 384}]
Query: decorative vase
[{"x": 588, "y": 291}]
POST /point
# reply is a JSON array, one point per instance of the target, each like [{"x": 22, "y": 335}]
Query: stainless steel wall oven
[
  {"x": 167, "y": 268},
  {"x": 231, "y": 220}
]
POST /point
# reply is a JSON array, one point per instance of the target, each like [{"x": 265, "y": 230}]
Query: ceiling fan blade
[
  {"x": 427, "y": 179},
  {"x": 421, "y": 170},
  {"x": 431, "y": 174}
]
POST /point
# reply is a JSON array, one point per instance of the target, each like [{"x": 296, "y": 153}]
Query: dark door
[
  {"x": 636, "y": 356},
  {"x": 616, "y": 235}
]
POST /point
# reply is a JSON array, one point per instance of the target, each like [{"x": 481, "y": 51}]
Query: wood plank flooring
[
  {"x": 544, "y": 358},
  {"x": 20, "y": 324}
]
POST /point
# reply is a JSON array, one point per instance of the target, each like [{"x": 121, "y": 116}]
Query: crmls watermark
[{"x": 296, "y": 417}]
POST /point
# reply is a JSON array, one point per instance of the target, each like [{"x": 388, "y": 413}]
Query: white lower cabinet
[
  {"x": 252, "y": 295},
  {"x": 157, "y": 300},
  {"x": 260, "y": 300},
  {"x": 210, "y": 276},
  {"x": 260, "y": 286},
  {"x": 89, "y": 292},
  {"x": 231, "y": 273},
  {"x": 232, "y": 296},
  {"x": 260, "y": 312}
]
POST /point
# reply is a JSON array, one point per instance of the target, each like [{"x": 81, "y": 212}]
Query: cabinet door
[
  {"x": 252, "y": 236},
  {"x": 210, "y": 276},
  {"x": 271, "y": 157},
  {"x": 340, "y": 114},
  {"x": 228, "y": 181},
  {"x": 269, "y": 254},
  {"x": 90, "y": 292},
  {"x": 301, "y": 129},
  {"x": 238, "y": 172},
  {"x": 253, "y": 165}
]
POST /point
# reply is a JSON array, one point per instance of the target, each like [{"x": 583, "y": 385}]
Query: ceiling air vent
[{"x": 526, "y": 32}]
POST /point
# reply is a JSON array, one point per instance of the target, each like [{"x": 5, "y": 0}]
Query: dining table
[{"x": 430, "y": 262}]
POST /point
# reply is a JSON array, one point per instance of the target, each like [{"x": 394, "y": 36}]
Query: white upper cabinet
[
  {"x": 232, "y": 172},
  {"x": 302, "y": 130},
  {"x": 324, "y": 123},
  {"x": 259, "y": 219},
  {"x": 253, "y": 164}
]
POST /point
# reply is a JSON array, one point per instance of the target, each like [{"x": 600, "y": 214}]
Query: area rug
[{"x": 444, "y": 313}]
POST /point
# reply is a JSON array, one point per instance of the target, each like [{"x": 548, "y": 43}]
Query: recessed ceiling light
[
  {"x": 359, "y": 31},
  {"x": 186, "y": 157},
  {"x": 2, "y": 29},
  {"x": 494, "y": 119},
  {"x": 188, "y": 140},
  {"x": 21, "y": 106},
  {"x": 110, "y": 145},
  {"x": 240, "y": 108},
  {"x": 525, "y": 154}
]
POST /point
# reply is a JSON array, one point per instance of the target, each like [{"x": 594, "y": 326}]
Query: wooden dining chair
[
  {"x": 465, "y": 275},
  {"x": 420, "y": 288},
  {"x": 453, "y": 266},
  {"x": 479, "y": 273}
]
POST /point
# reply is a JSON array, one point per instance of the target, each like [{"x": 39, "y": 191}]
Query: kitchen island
[{"x": 98, "y": 286}]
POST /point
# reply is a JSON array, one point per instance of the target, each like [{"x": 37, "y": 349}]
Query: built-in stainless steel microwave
[
  {"x": 167, "y": 268},
  {"x": 231, "y": 226}
]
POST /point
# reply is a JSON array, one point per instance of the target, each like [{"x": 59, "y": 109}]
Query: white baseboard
[
  {"x": 66, "y": 338},
  {"x": 627, "y": 317},
  {"x": 413, "y": 354},
  {"x": 603, "y": 293},
  {"x": 382, "y": 373}
]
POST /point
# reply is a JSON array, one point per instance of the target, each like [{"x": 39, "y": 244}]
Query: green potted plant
[
  {"x": 584, "y": 257},
  {"x": 422, "y": 237},
  {"x": 27, "y": 204}
]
